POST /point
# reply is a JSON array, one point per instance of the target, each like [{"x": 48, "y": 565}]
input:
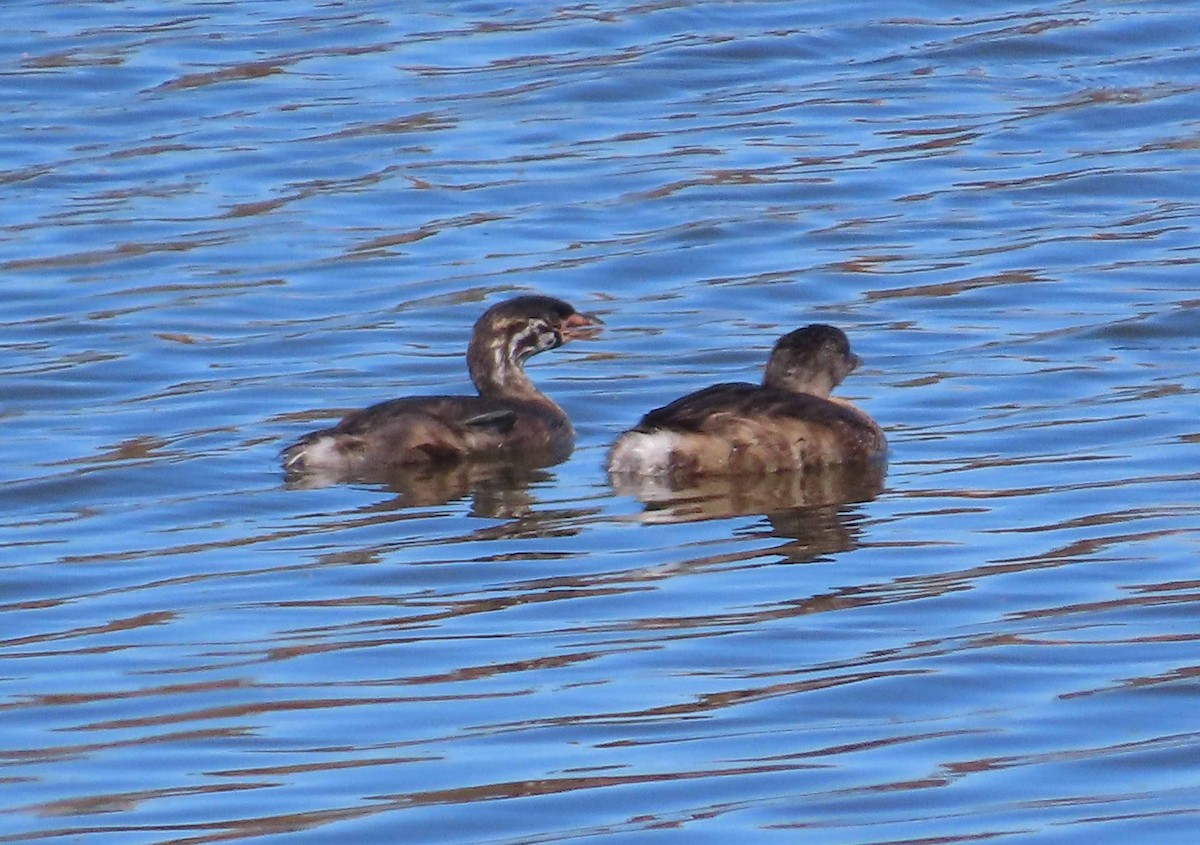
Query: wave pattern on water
[{"x": 227, "y": 224}]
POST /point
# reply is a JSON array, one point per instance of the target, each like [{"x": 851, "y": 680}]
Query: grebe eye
[{"x": 548, "y": 336}]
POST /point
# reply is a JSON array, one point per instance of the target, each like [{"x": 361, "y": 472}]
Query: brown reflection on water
[
  {"x": 630, "y": 632},
  {"x": 241, "y": 71},
  {"x": 497, "y": 490},
  {"x": 100, "y": 628},
  {"x": 426, "y": 230},
  {"x": 671, "y": 500},
  {"x": 120, "y": 252},
  {"x": 77, "y": 751},
  {"x": 253, "y": 827},
  {"x": 957, "y": 287}
]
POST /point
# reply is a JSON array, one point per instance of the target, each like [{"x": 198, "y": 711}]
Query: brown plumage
[
  {"x": 788, "y": 423},
  {"x": 510, "y": 419}
]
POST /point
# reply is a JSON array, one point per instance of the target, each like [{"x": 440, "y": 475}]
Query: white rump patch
[
  {"x": 641, "y": 453},
  {"x": 322, "y": 453}
]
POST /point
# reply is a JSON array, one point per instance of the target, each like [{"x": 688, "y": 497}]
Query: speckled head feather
[
  {"x": 813, "y": 359},
  {"x": 510, "y": 332}
]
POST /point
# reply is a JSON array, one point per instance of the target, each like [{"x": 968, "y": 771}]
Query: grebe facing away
[
  {"x": 510, "y": 419},
  {"x": 788, "y": 423}
]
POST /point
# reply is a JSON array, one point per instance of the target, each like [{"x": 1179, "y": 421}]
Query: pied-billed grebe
[
  {"x": 509, "y": 419},
  {"x": 788, "y": 423}
]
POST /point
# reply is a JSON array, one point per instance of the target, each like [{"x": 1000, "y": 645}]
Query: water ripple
[{"x": 227, "y": 224}]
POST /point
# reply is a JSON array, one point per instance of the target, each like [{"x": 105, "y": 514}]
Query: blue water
[{"x": 224, "y": 224}]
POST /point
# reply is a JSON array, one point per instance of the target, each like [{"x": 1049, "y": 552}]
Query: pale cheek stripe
[{"x": 518, "y": 341}]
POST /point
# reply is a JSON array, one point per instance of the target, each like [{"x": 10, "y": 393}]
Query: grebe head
[
  {"x": 509, "y": 332},
  {"x": 813, "y": 359}
]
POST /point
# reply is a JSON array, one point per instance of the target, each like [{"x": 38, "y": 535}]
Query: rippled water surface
[{"x": 224, "y": 224}]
